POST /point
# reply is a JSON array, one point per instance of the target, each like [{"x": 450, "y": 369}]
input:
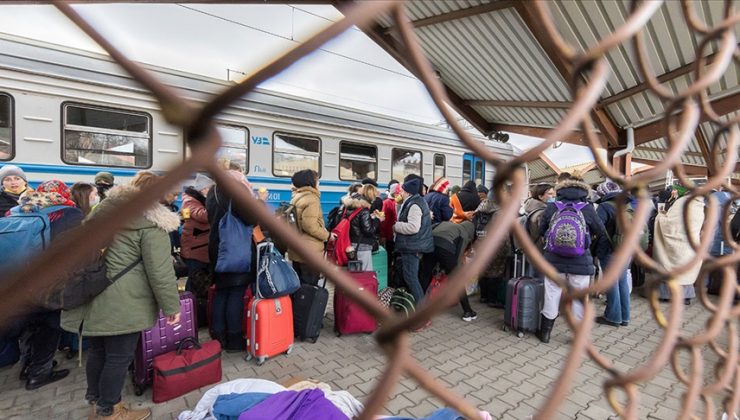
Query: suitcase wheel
[
  {"x": 520, "y": 334},
  {"x": 290, "y": 349},
  {"x": 138, "y": 390},
  {"x": 248, "y": 357},
  {"x": 261, "y": 360}
]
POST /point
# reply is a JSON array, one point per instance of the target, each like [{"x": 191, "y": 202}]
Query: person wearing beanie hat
[
  {"x": 482, "y": 192},
  {"x": 14, "y": 183},
  {"x": 438, "y": 201},
  {"x": 413, "y": 234},
  {"x": 103, "y": 182},
  {"x": 195, "y": 231},
  {"x": 310, "y": 220},
  {"x": 370, "y": 181}
]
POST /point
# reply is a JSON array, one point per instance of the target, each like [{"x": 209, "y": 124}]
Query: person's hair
[
  {"x": 370, "y": 192},
  {"x": 540, "y": 189},
  {"x": 143, "y": 179},
  {"x": 229, "y": 165},
  {"x": 354, "y": 188},
  {"x": 564, "y": 176},
  {"x": 80, "y": 194}
]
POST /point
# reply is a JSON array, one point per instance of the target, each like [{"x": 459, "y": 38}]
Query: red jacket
[
  {"x": 195, "y": 230},
  {"x": 386, "y": 226}
]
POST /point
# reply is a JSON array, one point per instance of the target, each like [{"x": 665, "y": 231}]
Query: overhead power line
[{"x": 266, "y": 32}]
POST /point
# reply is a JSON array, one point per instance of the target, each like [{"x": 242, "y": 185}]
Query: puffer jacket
[
  {"x": 577, "y": 192},
  {"x": 363, "y": 228},
  {"x": 440, "y": 206},
  {"x": 307, "y": 202},
  {"x": 217, "y": 204},
  {"x": 195, "y": 230},
  {"x": 132, "y": 303}
]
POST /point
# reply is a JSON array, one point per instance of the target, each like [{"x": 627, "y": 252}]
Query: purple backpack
[{"x": 568, "y": 232}]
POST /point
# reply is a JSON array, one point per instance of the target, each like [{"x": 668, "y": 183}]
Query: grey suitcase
[{"x": 524, "y": 299}]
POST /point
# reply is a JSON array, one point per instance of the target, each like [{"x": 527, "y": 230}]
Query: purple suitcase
[{"x": 163, "y": 338}]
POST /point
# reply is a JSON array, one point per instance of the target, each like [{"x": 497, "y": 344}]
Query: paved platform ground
[{"x": 494, "y": 370}]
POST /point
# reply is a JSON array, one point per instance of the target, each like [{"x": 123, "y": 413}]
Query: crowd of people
[{"x": 426, "y": 230}]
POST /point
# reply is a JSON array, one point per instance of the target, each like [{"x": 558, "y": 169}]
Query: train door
[{"x": 474, "y": 168}]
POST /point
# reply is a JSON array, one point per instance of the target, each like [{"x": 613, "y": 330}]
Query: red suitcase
[
  {"x": 349, "y": 317},
  {"x": 269, "y": 327},
  {"x": 435, "y": 286},
  {"x": 178, "y": 372}
]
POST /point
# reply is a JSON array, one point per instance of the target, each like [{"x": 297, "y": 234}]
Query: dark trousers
[
  {"x": 447, "y": 262},
  {"x": 306, "y": 274},
  {"x": 193, "y": 265},
  {"x": 41, "y": 341},
  {"x": 107, "y": 367},
  {"x": 390, "y": 245},
  {"x": 228, "y": 311}
]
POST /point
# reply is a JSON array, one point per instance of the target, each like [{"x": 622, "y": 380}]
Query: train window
[
  {"x": 107, "y": 137},
  {"x": 357, "y": 162},
  {"x": 235, "y": 145},
  {"x": 293, "y": 153},
  {"x": 6, "y": 127},
  {"x": 467, "y": 170},
  {"x": 405, "y": 162},
  {"x": 439, "y": 166}
]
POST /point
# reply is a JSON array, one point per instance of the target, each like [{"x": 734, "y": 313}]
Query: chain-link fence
[{"x": 589, "y": 76}]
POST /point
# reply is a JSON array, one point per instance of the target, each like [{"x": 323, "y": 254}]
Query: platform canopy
[{"x": 502, "y": 71}]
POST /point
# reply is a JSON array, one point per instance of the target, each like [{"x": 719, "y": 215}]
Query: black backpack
[
  {"x": 289, "y": 214},
  {"x": 334, "y": 217}
]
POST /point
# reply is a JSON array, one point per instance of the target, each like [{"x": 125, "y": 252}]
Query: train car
[{"x": 68, "y": 114}]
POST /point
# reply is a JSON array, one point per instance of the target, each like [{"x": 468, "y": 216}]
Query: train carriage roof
[{"x": 32, "y": 56}]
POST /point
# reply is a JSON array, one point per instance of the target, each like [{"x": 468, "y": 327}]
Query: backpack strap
[
  {"x": 126, "y": 270},
  {"x": 355, "y": 213}
]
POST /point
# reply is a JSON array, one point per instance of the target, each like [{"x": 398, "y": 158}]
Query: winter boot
[{"x": 545, "y": 328}]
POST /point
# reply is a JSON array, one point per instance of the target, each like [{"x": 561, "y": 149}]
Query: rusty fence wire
[{"x": 589, "y": 76}]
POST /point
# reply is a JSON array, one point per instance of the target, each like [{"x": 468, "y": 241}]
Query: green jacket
[{"x": 132, "y": 303}]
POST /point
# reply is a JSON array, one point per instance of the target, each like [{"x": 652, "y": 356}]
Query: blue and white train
[{"x": 68, "y": 114}]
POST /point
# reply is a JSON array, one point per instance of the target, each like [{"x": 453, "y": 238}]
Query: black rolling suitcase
[
  {"x": 524, "y": 298},
  {"x": 309, "y": 305}
]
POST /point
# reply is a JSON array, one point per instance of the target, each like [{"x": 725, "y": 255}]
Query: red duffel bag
[{"x": 178, "y": 372}]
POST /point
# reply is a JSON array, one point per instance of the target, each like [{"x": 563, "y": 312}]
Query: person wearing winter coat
[
  {"x": 576, "y": 270},
  {"x": 493, "y": 279},
  {"x": 114, "y": 319},
  {"x": 376, "y": 204},
  {"x": 671, "y": 246},
  {"x": 451, "y": 240},
  {"x": 617, "y": 311},
  {"x": 307, "y": 202},
  {"x": 364, "y": 226},
  {"x": 439, "y": 201},
  {"x": 413, "y": 234},
  {"x": 85, "y": 196},
  {"x": 195, "y": 229},
  {"x": 228, "y": 304},
  {"x": 14, "y": 183},
  {"x": 534, "y": 208},
  {"x": 41, "y": 327},
  {"x": 104, "y": 181},
  {"x": 465, "y": 202},
  {"x": 387, "y": 238}
]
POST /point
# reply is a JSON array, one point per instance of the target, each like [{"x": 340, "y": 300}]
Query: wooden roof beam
[
  {"x": 550, "y": 163},
  {"x": 704, "y": 147},
  {"x": 461, "y": 13},
  {"x": 574, "y": 137},
  {"x": 654, "y": 130},
  {"x": 605, "y": 124}
]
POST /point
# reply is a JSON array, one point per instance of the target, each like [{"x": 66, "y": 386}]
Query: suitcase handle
[{"x": 186, "y": 340}]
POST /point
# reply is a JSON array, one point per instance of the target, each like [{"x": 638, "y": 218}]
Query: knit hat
[
  {"x": 55, "y": 186},
  {"x": 369, "y": 181},
  {"x": 394, "y": 188},
  {"x": 106, "y": 178},
  {"x": 12, "y": 170},
  {"x": 202, "y": 182},
  {"x": 441, "y": 185},
  {"x": 608, "y": 187},
  {"x": 482, "y": 189},
  {"x": 412, "y": 186},
  {"x": 304, "y": 178}
]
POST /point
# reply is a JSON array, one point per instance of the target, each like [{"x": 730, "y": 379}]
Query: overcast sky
[{"x": 209, "y": 39}]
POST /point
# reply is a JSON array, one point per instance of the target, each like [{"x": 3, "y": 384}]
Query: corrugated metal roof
[{"x": 539, "y": 171}]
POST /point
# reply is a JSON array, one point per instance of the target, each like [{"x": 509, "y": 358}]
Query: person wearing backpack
[
  {"x": 439, "y": 201},
  {"x": 493, "y": 279},
  {"x": 14, "y": 183},
  {"x": 617, "y": 311},
  {"x": 364, "y": 226},
  {"x": 465, "y": 202},
  {"x": 534, "y": 208},
  {"x": 413, "y": 234},
  {"x": 568, "y": 226},
  {"x": 114, "y": 319},
  {"x": 310, "y": 220},
  {"x": 376, "y": 204},
  {"x": 53, "y": 199},
  {"x": 228, "y": 303}
]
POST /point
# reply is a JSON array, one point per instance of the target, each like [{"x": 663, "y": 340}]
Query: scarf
[{"x": 36, "y": 200}]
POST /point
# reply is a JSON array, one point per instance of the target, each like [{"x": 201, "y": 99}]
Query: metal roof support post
[{"x": 622, "y": 159}]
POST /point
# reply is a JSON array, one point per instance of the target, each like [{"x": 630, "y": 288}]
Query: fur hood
[
  {"x": 355, "y": 201},
  {"x": 571, "y": 183},
  {"x": 158, "y": 214}
]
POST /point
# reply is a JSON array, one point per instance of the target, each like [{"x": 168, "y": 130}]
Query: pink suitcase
[
  {"x": 269, "y": 327},
  {"x": 349, "y": 317},
  {"x": 163, "y": 338}
]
